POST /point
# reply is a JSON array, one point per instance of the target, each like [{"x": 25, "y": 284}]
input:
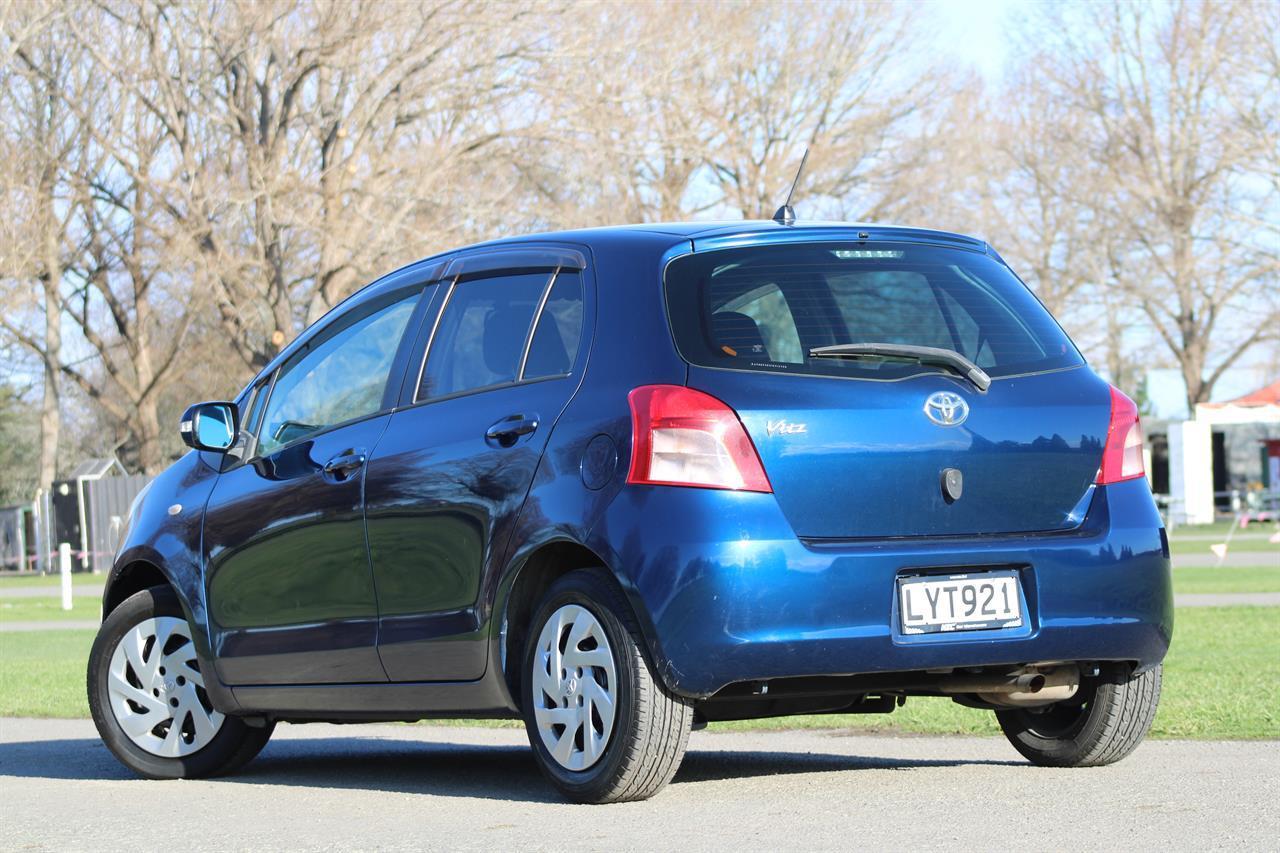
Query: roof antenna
[{"x": 787, "y": 214}]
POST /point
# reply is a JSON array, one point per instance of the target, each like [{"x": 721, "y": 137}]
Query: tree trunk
[
  {"x": 147, "y": 429},
  {"x": 50, "y": 425},
  {"x": 50, "y": 413},
  {"x": 1198, "y": 390}
]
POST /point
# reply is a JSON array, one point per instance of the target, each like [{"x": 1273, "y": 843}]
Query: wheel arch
[
  {"x": 535, "y": 573},
  {"x": 137, "y": 572},
  {"x": 131, "y": 578}
]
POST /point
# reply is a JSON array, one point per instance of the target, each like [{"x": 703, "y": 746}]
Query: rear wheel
[
  {"x": 1101, "y": 724},
  {"x": 603, "y": 729},
  {"x": 148, "y": 698}
]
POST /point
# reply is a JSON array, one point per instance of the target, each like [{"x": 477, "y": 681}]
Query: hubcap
[
  {"x": 156, "y": 690},
  {"x": 575, "y": 687}
]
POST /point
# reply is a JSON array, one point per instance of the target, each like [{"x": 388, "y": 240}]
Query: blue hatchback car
[{"x": 624, "y": 482}]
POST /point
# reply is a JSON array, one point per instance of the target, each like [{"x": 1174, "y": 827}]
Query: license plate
[{"x": 972, "y": 601}]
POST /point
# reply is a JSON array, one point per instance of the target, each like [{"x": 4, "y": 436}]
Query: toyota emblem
[{"x": 946, "y": 409}]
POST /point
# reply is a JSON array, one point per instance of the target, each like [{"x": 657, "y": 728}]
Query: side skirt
[{"x": 375, "y": 702}]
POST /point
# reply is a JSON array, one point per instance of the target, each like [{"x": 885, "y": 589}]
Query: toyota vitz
[{"x": 624, "y": 482}]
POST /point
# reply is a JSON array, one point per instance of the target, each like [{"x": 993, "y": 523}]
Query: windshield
[{"x": 765, "y": 308}]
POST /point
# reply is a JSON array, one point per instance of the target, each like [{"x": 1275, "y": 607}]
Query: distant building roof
[
  {"x": 1258, "y": 407},
  {"x": 1268, "y": 396},
  {"x": 92, "y": 469}
]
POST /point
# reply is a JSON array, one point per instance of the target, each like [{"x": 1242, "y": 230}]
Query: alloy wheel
[
  {"x": 157, "y": 692},
  {"x": 575, "y": 687}
]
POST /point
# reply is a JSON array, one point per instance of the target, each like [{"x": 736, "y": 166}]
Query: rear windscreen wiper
[{"x": 924, "y": 355}]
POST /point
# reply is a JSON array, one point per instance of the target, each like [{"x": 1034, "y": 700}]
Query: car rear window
[{"x": 764, "y": 308}]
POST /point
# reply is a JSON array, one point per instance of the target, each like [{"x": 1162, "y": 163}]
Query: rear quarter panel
[{"x": 586, "y": 460}]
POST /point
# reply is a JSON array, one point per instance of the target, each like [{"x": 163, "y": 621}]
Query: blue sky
[{"x": 975, "y": 30}]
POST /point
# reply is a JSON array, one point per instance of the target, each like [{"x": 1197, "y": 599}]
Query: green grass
[
  {"x": 12, "y": 581},
  {"x": 48, "y": 609},
  {"x": 1221, "y": 681},
  {"x": 1263, "y": 549},
  {"x": 1231, "y": 579},
  {"x": 42, "y": 673},
  {"x": 1222, "y": 676},
  {"x": 1218, "y": 527}
]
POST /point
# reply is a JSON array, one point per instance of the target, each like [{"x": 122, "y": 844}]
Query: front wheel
[
  {"x": 1101, "y": 724},
  {"x": 603, "y": 729},
  {"x": 148, "y": 700}
]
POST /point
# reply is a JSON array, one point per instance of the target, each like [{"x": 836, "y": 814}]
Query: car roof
[
  {"x": 707, "y": 235},
  {"x": 706, "y": 230}
]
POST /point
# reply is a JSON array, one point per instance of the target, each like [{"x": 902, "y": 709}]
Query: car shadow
[
  {"x": 703, "y": 765},
  {"x": 429, "y": 767}
]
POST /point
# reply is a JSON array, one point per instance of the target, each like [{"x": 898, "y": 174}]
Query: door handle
[
  {"x": 506, "y": 432},
  {"x": 342, "y": 465}
]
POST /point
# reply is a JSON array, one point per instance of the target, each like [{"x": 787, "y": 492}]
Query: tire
[
  {"x": 144, "y": 634},
  {"x": 635, "y": 755},
  {"x": 1102, "y": 724}
]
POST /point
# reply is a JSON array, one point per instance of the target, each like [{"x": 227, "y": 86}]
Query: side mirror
[{"x": 210, "y": 426}]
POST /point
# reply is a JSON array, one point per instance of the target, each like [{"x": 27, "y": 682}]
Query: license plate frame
[{"x": 948, "y": 612}]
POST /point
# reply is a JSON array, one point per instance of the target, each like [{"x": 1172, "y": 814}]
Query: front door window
[{"x": 340, "y": 379}]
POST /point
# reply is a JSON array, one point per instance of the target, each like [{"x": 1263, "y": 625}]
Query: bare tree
[
  {"x": 719, "y": 126},
  {"x": 318, "y": 139},
  {"x": 1155, "y": 86},
  {"x": 819, "y": 75},
  {"x": 104, "y": 262},
  {"x": 132, "y": 309},
  {"x": 42, "y": 139},
  {"x": 618, "y": 133}
]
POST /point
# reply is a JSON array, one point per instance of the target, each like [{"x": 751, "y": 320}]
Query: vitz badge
[{"x": 785, "y": 428}]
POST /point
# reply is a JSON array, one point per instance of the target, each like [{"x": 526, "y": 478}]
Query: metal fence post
[{"x": 64, "y": 568}]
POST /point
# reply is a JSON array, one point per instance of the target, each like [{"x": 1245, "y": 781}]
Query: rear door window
[
  {"x": 481, "y": 335},
  {"x": 764, "y": 308},
  {"x": 554, "y": 345}
]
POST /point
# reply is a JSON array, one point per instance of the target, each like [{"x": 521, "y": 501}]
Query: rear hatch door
[
  {"x": 850, "y": 459},
  {"x": 861, "y": 447}
]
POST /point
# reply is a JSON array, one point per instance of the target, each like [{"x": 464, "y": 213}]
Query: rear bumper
[{"x": 726, "y": 593}]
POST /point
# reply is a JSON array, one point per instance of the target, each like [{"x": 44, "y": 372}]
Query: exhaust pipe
[
  {"x": 1016, "y": 683},
  {"x": 1028, "y": 688}
]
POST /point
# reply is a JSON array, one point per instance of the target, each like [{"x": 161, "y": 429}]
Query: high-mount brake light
[
  {"x": 683, "y": 437},
  {"x": 1122, "y": 455}
]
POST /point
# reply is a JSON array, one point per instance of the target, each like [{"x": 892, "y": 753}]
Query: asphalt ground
[{"x": 323, "y": 787}]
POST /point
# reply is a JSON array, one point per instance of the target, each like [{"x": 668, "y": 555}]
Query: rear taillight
[
  {"x": 1122, "y": 457},
  {"x": 683, "y": 437}
]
